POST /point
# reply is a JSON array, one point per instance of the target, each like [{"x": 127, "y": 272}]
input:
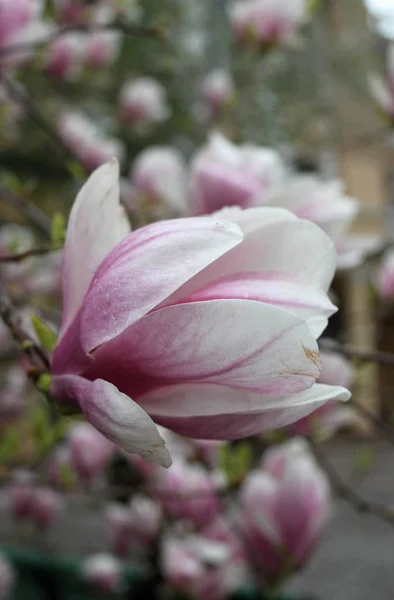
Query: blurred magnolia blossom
[
  {"x": 20, "y": 23},
  {"x": 145, "y": 321},
  {"x": 65, "y": 54},
  {"x": 202, "y": 567},
  {"x": 223, "y": 174},
  {"x": 12, "y": 394},
  {"x": 45, "y": 505},
  {"x": 90, "y": 452},
  {"x": 385, "y": 276},
  {"x": 188, "y": 491},
  {"x": 20, "y": 492},
  {"x": 86, "y": 141},
  {"x": 58, "y": 465},
  {"x": 146, "y": 518},
  {"x": 326, "y": 420},
  {"x": 268, "y": 22},
  {"x": 7, "y": 578},
  {"x": 119, "y": 528},
  {"x": 159, "y": 176},
  {"x": 282, "y": 512},
  {"x": 217, "y": 89},
  {"x": 104, "y": 572},
  {"x": 143, "y": 101},
  {"x": 382, "y": 89},
  {"x": 101, "y": 48}
]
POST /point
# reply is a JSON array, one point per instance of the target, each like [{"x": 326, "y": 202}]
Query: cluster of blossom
[
  {"x": 209, "y": 541},
  {"x": 222, "y": 174}
]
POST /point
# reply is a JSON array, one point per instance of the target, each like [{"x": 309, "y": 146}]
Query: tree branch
[
  {"x": 154, "y": 32},
  {"x": 19, "y": 256},
  {"x": 362, "y": 355},
  {"x": 32, "y": 212},
  {"x": 385, "y": 513}
]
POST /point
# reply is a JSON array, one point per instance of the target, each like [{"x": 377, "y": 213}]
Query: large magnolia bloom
[{"x": 208, "y": 324}]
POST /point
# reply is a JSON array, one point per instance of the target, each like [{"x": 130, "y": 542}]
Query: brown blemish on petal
[{"x": 312, "y": 355}]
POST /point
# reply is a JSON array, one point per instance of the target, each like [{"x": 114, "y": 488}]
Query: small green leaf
[
  {"x": 10, "y": 443},
  {"x": 58, "y": 230},
  {"x": 235, "y": 461},
  {"x": 366, "y": 459},
  {"x": 76, "y": 170},
  {"x": 67, "y": 476},
  {"x": 44, "y": 383},
  {"x": 45, "y": 334}
]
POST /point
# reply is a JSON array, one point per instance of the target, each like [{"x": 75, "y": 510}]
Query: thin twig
[
  {"x": 32, "y": 212},
  {"x": 362, "y": 355},
  {"x": 19, "y": 256},
  {"x": 18, "y": 94},
  {"x": 378, "y": 423},
  {"x": 37, "y": 356},
  {"x": 126, "y": 28},
  {"x": 343, "y": 490}
]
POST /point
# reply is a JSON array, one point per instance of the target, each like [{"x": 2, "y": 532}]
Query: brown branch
[
  {"x": 19, "y": 95},
  {"x": 19, "y": 256},
  {"x": 376, "y": 421},
  {"x": 37, "y": 356},
  {"x": 155, "y": 32},
  {"x": 362, "y": 355},
  {"x": 343, "y": 490},
  {"x": 30, "y": 210}
]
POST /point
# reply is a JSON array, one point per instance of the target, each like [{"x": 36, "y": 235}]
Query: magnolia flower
[
  {"x": 45, "y": 505},
  {"x": 383, "y": 91},
  {"x": 104, "y": 572},
  {"x": 205, "y": 325},
  {"x": 217, "y": 89},
  {"x": 65, "y": 54},
  {"x": 7, "y": 578},
  {"x": 119, "y": 528},
  {"x": 385, "y": 276},
  {"x": 326, "y": 204},
  {"x": 146, "y": 518},
  {"x": 86, "y": 141},
  {"x": 20, "y": 23},
  {"x": 187, "y": 491},
  {"x": 159, "y": 175},
  {"x": 20, "y": 493},
  {"x": 143, "y": 100},
  {"x": 282, "y": 514},
  {"x": 101, "y": 48},
  {"x": 90, "y": 451},
  {"x": 223, "y": 174},
  {"x": 268, "y": 21}
]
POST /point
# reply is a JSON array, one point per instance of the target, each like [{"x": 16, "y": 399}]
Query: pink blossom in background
[
  {"x": 20, "y": 493},
  {"x": 385, "y": 276},
  {"x": 7, "y": 578},
  {"x": 143, "y": 101},
  {"x": 283, "y": 512},
  {"x": 20, "y": 23},
  {"x": 268, "y": 21},
  {"x": 217, "y": 89},
  {"x": 101, "y": 48},
  {"x": 90, "y": 452},
  {"x": 13, "y": 394},
  {"x": 159, "y": 175},
  {"x": 145, "y": 328},
  {"x": 58, "y": 463},
  {"x": 223, "y": 174},
  {"x": 65, "y": 54},
  {"x": 119, "y": 528},
  {"x": 104, "y": 572},
  {"x": 45, "y": 505},
  {"x": 146, "y": 518},
  {"x": 86, "y": 141},
  {"x": 187, "y": 491}
]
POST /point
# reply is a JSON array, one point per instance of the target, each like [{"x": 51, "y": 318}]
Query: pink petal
[
  {"x": 306, "y": 301},
  {"x": 295, "y": 248},
  {"x": 220, "y": 412},
  {"x": 145, "y": 268},
  {"x": 115, "y": 415},
  {"x": 95, "y": 226},
  {"x": 235, "y": 342}
]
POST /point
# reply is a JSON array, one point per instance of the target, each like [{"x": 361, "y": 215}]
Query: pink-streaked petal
[
  {"x": 307, "y": 301},
  {"x": 235, "y": 342},
  {"x": 145, "y": 268},
  {"x": 220, "y": 412},
  {"x": 296, "y": 248},
  {"x": 95, "y": 226},
  {"x": 115, "y": 415}
]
